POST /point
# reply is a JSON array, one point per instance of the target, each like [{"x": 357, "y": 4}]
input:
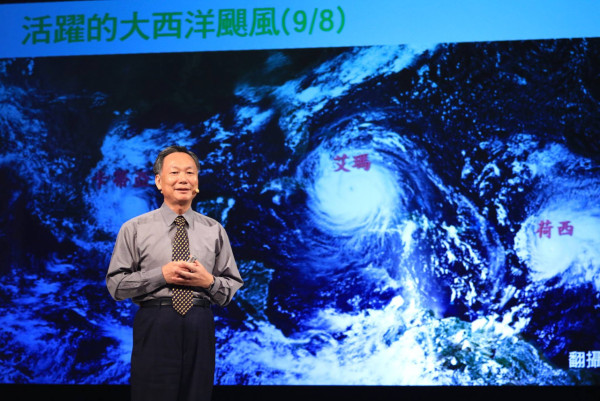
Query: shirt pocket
[{"x": 205, "y": 252}]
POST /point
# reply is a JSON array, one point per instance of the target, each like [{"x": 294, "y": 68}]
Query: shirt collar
[{"x": 169, "y": 215}]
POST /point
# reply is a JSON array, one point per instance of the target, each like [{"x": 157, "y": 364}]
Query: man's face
[{"x": 178, "y": 179}]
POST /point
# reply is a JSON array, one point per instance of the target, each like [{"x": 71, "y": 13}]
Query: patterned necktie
[{"x": 182, "y": 296}]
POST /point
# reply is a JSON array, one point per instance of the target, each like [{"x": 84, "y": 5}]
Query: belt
[{"x": 205, "y": 303}]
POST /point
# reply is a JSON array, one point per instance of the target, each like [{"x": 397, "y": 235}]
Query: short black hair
[{"x": 158, "y": 163}]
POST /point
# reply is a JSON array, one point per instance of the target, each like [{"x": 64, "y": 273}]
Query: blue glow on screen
[{"x": 401, "y": 214}]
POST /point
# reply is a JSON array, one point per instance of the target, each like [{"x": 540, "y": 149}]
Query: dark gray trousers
[{"x": 173, "y": 357}]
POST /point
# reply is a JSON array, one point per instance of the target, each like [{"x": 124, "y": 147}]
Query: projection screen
[{"x": 410, "y": 188}]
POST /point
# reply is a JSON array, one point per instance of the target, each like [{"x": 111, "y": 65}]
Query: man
[{"x": 173, "y": 355}]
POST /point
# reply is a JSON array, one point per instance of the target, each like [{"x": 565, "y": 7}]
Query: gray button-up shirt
[{"x": 144, "y": 245}]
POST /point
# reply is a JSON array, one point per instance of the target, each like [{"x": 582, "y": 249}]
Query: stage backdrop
[{"x": 403, "y": 211}]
